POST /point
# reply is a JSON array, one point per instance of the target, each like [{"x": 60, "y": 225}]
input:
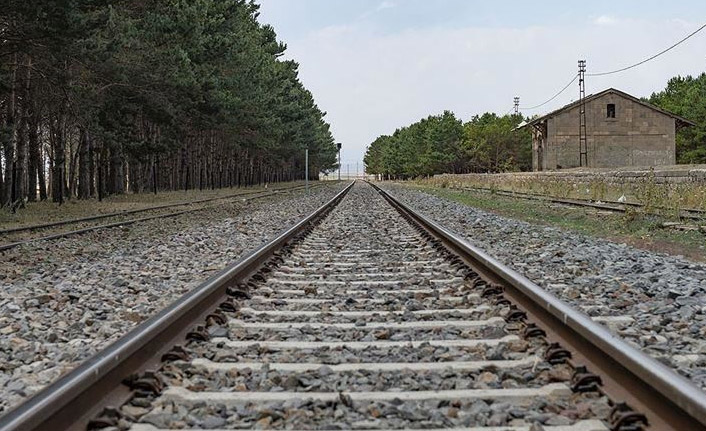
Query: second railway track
[
  {"x": 368, "y": 316},
  {"x": 612, "y": 206},
  {"x": 14, "y": 237}
]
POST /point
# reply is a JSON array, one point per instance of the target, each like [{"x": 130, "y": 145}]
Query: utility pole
[
  {"x": 356, "y": 169},
  {"x": 339, "y": 160},
  {"x": 100, "y": 177},
  {"x": 13, "y": 186},
  {"x": 348, "y": 170},
  {"x": 583, "y": 139},
  {"x": 154, "y": 174},
  {"x": 306, "y": 168},
  {"x": 517, "y": 105}
]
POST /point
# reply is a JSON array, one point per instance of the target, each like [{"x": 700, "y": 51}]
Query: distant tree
[
  {"x": 443, "y": 144},
  {"x": 492, "y": 144},
  {"x": 686, "y": 97}
]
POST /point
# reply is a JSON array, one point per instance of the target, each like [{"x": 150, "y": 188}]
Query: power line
[
  {"x": 650, "y": 58},
  {"x": 553, "y": 97},
  {"x": 618, "y": 70}
]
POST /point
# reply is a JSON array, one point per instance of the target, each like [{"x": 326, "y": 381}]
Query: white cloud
[
  {"x": 371, "y": 83},
  {"x": 605, "y": 20},
  {"x": 683, "y": 23},
  {"x": 387, "y": 4}
]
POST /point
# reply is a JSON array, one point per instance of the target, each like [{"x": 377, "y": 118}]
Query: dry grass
[{"x": 664, "y": 198}]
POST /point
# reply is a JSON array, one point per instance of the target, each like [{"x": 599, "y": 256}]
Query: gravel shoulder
[
  {"x": 63, "y": 300},
  {"x": 643, "y": 231},
  {"x": 665, "y": 295}
]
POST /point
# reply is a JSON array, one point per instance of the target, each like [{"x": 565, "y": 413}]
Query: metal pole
[
  {"x": 583, "y": 138},
  {"x": 13, "y": 186},
  {"x": 154, "y": 174},
  {"x": 100, "y": 177},
  {"x": 306, "y": 168},
  {"x": 339, "y": 161}
]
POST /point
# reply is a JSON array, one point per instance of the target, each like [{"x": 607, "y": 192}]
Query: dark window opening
[{"x": 611, "y": 110}]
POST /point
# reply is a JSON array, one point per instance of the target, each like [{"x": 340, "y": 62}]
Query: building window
[{"x": 611, "y": 110}]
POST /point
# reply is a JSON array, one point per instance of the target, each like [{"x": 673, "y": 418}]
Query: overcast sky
[{"x": 376, "y": 65}]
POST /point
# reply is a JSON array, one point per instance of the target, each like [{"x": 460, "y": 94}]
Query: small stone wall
[{"x": 672, "y": 187}]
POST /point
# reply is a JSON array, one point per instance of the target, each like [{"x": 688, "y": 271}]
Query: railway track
[
  {"x": 15, "y": 237},
  {"x": 367, "y": 315},
  {"x": 614, "y": 206}
]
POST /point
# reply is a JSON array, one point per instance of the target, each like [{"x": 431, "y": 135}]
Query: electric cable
[
  {"x": 617, "y": 70},
  {"x": 649, "y": 58},
  {"x": 553, "y": 97}
]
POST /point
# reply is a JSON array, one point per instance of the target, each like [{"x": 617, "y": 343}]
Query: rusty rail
[
  {"x": 70, "y": 402},
  {"x": 686, "y": 213},
  {"x": 669, "y": 401}
]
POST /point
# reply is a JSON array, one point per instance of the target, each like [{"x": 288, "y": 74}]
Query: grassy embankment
[
  {"x": 636, "y": 228},
  {"x": 654, "y": 192}
]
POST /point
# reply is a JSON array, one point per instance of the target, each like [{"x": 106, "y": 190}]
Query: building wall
[
  {"x": 637, "y": 136},
  {"x": 538, "y": 143}
]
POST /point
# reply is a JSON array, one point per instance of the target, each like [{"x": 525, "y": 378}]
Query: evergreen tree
[
  {"x": 134, "y": 96},
  {"x": 686, "y": 97}
]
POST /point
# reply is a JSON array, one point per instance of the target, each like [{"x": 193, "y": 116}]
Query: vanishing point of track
[{"x": 367, "y": 315}]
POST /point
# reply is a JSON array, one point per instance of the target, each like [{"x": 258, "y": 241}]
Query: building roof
[{"x": 681, "y": 122}]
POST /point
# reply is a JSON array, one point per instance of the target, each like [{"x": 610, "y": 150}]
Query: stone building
[{"x": 621, "y": 130}]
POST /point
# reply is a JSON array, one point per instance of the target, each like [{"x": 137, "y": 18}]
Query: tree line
[
  {"x": 104, "y": 98},
  {"x": 444, "y": 144},
  {"x": 686, "y": 97},
  {"x": 491, "y": 143}
]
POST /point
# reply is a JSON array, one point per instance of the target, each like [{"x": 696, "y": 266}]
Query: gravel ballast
[
  {"x": 665, "y": 295},
  {"x": 62, "y": 300},
  {"x": 267, "y": 372}
]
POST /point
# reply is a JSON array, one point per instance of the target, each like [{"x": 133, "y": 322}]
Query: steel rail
[
  {"x": 70, "y": 402},
  {"x": 263, "y": 194},
  {"x": 139, "y": 210},
  {"x": 670, "y": 401},
  {"x": 687, "y": 213}
]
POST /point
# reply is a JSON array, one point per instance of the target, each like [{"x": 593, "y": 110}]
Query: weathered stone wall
[
  {"x": 678, "y": 186},
  {"x": 637, "y": 136}
]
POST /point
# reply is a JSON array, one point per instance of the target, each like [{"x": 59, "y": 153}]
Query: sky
[{"x": 377, "y": 65}]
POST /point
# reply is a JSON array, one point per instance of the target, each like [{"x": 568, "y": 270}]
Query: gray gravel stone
[
  {"x": 62, "y": 300},
  {"x": 666, "y": 295},
  {"x": 363, "y": 232}
]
